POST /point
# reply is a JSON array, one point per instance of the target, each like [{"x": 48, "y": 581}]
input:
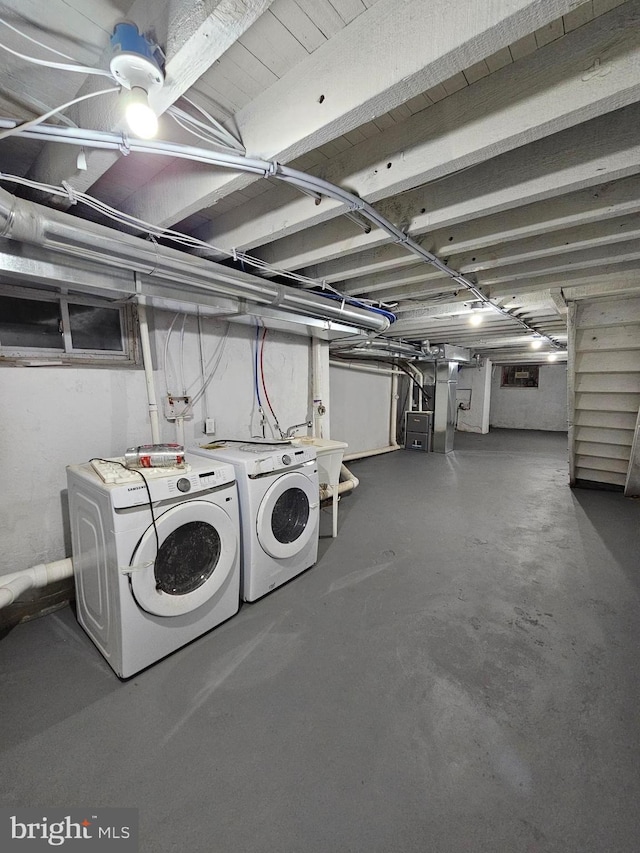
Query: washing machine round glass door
[
  {"x": 288, "y": 515},
  {"x": 198, "y": 545}
]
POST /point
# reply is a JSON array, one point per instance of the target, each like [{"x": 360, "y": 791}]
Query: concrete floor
[{"x": 459, "y": 672}]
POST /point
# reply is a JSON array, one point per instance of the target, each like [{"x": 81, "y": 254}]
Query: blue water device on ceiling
[{"x": 127, "y": 38}]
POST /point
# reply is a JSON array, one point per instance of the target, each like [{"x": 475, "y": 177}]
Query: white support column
[
  {"x": 320, "y": 388},
  {"x": 477, "y": 381}
]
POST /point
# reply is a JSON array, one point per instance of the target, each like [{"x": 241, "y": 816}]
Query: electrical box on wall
[
  {"x": 209, "y": 426},
  {"x": 177, "y": 407}
]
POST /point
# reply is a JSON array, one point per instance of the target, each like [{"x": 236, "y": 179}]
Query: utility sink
[{"x": 329, "y": 454}]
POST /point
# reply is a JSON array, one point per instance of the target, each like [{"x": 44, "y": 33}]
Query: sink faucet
[{"x": 292, "y": 429}]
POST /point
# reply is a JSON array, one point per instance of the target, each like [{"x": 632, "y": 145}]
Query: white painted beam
[
  {"x": 550, "y": 168},
  {"x": 384, "y": 57},
  {"x": 193, "y": 33},
  {"x": 560, "y": 303},
  {"x": 607, "y": 279},
  {"x": 379, "y": 261},
  {"x": 560, "y": 241},
  {"x": 549, "y": 91},
  {"x": 492, "y": 322},
  {"x": 599, "y": 256},
  {"x": 538, "y": 305},
  {"x": 447, "y": 312},
  {"x": 552, "y": 246},
  {"x": 415, "y": 275},
  {"x": 612, "y": 279},
  {"x": 602, "y": 150},
  {"x": 429, "y": 309},
  {"x": 517, "y": 356}
]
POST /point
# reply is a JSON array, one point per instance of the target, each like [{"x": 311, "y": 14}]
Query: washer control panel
[
  {"x": 215, "y": 475},
  {"x": 271, "y": 463},
  {"x": 198, "y": 476},
  {"x": 257, "y": 459}
]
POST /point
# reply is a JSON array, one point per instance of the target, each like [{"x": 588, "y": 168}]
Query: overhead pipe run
[
  {"x": 32, "y": 223},
  {"x": 309, "y": 184}
]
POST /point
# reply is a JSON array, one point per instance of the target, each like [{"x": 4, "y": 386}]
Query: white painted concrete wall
[
  {"x": 474, "y": 390},
  {"x": 54, "y": 416},
  {"x": 542, "y": 408},
  {"x": 231, "y": 398},
  {"x": 360, "y": 408}
]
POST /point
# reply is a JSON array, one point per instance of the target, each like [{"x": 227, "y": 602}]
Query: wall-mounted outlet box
[
  {"x": 209, "y": 426},
  {"x": 176, "y": 407}
]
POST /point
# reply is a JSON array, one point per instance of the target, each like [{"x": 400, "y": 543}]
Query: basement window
[
  {"x": 46, "y": 327},
  {"x": 520, "y": 376}
]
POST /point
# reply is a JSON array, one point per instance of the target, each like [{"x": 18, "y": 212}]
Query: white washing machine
[
  {"x": 279, "y": 510},
  {"x": 143, "y": 590}
]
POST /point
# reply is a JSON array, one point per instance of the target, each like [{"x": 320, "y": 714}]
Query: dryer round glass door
[
  {"x": 198, "y": 545},
  {"x": 288, "y": 515}
]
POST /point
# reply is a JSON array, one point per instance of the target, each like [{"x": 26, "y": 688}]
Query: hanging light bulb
[
  {"x": 135, "y": 64},
  {"x": 536, "y": 343},
  {"x": 140, "y": 117},
  {"x": 476, "y": 318},
  {"x": 553, "y": 356}
]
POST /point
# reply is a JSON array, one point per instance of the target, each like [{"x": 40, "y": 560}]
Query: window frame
[
  {"x": 506, "y": 376},
  {"x": 70, "y": 355}
]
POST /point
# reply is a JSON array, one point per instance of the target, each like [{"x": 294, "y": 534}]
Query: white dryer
[
  {"x": 279, "y": 510},
  {"x": 146, "y": 585}
]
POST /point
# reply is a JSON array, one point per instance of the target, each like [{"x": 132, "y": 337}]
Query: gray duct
[
  {"x": 380, "y": 348},
  {"x": 32, "y": 223}
]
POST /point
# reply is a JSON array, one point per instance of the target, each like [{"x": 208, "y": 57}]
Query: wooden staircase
[{"x": 604, "y": 393}]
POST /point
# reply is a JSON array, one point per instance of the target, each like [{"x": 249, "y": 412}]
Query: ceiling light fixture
[
  {"x": 140, "y": 117},
  {"x": 536, "y": 343},
  {"x": 477, "y": 313},
  {"x": 553, "y": 356},
  {"x": 136, "y": 65}
]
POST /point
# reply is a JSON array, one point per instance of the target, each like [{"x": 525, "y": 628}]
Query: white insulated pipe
[
  {"x": 320, "y": 387},
  {"x": 147, "y": 363},
  {"x": 16, "y": 584},
  {"x": 348, "y": 482},
  {"x": 363, "y": 454},
  {"x": 419, "y": 377},
  {"x": 180, "y": 431},
  {"x": 365, "y": 368}
]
